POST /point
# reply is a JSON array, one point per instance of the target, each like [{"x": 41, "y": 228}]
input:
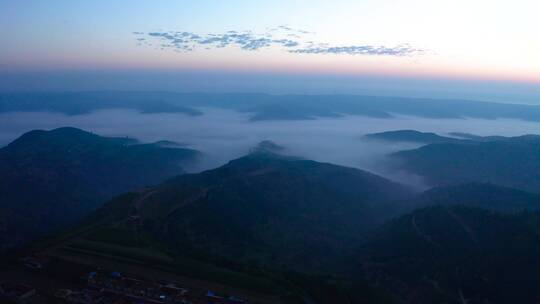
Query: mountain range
[
  {"x": 264, "y": 106},
  {"x": 412, "y": 136},
  {"x": 323, "y": 232},
  {"x": 49, "y": 179},
  {"x": 266, "y": 209},
  {"x": 513, "y": 162}
]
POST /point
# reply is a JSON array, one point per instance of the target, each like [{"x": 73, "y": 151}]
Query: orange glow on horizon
[{"x": 317, "y": 65}]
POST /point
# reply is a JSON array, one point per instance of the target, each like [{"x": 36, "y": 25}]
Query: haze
[{"x": 222, "y": 135}]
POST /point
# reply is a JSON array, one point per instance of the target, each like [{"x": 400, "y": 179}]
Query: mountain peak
[
  {"x": 267, "y": 146},
  {"x": 55, "y": 135},
  {"x": 411, "y": 136}
]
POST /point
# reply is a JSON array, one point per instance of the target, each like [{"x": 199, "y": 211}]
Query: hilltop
[{"x": 49, "y": 179}]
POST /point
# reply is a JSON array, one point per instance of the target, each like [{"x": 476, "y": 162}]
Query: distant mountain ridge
[
  {"x": 431, "y": 138},
  {"x": 264, "y": 106},
  {"x": 512, "y": 162},
  {"x": 478, "y": 137},
  {"x": 411, "y": 136}
]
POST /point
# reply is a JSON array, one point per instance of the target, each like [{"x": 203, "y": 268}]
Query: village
[{"x": 104, "y": 286}]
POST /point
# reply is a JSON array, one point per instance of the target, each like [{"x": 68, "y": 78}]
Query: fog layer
[{"x": 223, "y": 135}]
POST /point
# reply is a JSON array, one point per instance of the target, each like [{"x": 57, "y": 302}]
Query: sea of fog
[{"x": 223, "y": 135}]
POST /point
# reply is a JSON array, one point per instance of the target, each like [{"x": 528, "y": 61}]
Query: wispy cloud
[
  {"x": 400, "y": 50},
  {"x": 186, "y": 41},
  {"x": 283, "y": 37}
]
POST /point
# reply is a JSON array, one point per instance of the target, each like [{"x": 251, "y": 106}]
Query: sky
[{"x": 386, "y": 47}]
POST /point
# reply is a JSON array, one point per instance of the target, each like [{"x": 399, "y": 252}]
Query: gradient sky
[{"x": 460, "y": 40}]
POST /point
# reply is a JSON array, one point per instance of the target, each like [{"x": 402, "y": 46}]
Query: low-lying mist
[{"x": 222, "y": 135}]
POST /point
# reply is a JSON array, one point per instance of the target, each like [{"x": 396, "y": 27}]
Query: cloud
[
  {"x": 401, "y": 50},
  {"x": 243, "y": 40},
  {"x": 223, "y": 135},
  {"x": 286, "y": 28},
  {"x": 282, "y": 37}
]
